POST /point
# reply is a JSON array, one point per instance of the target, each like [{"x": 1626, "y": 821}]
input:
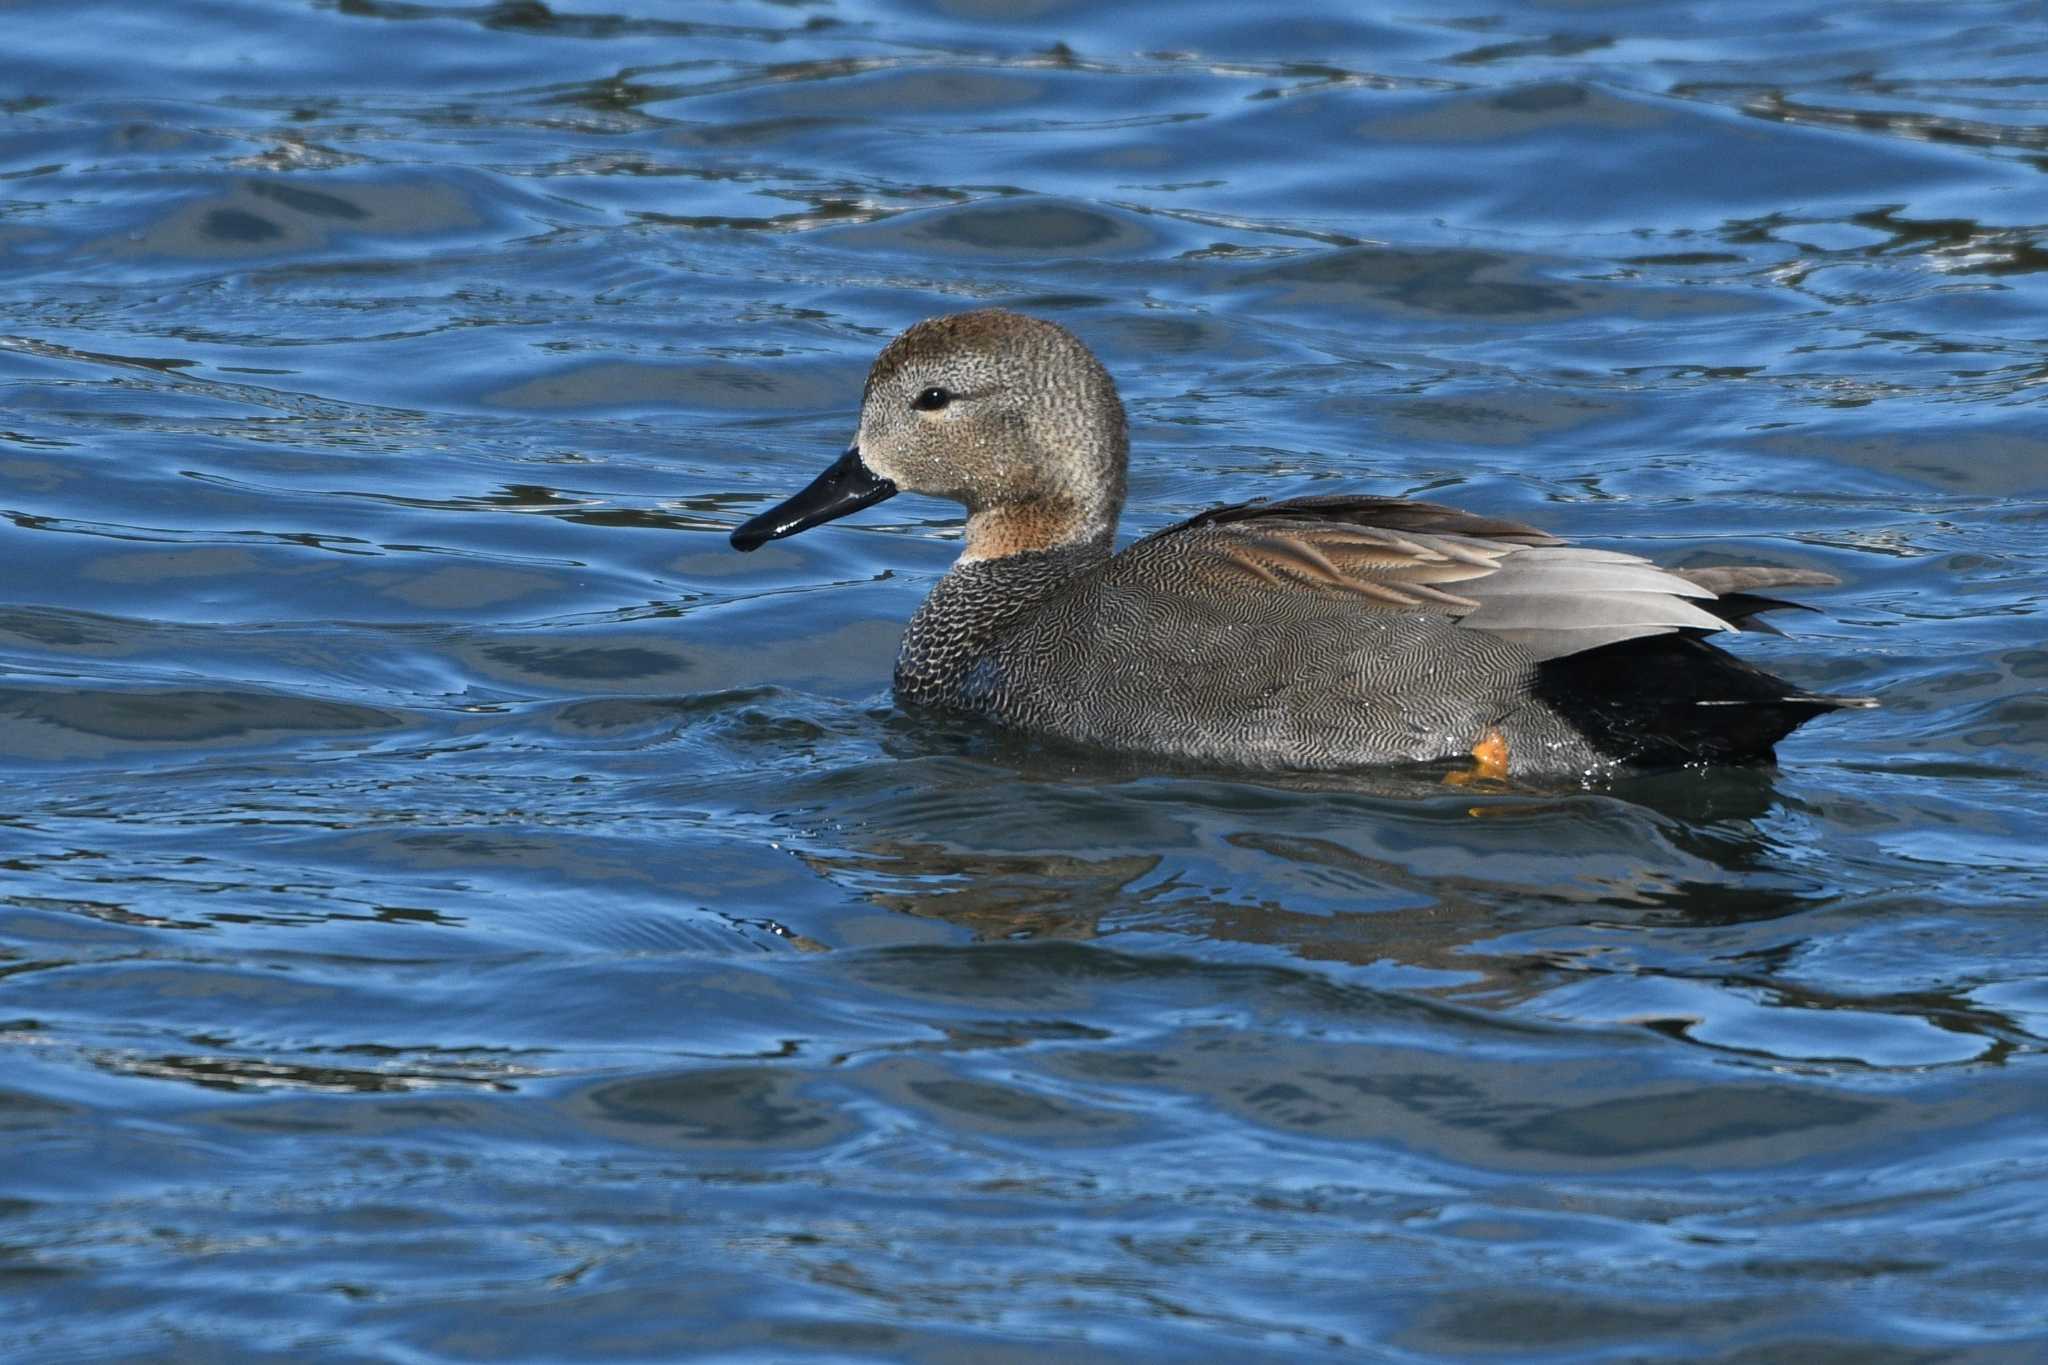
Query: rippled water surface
[{"x": 454, "y": 908}]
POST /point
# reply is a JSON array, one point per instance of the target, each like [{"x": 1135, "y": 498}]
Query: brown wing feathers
[{"x": 1381, "y": 568}]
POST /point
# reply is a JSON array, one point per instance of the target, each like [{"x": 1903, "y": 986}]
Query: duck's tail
[{"x": 1669, "y": 700}]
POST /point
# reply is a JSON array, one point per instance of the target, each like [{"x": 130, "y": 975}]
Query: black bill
[{"x": 846, "y": 487}]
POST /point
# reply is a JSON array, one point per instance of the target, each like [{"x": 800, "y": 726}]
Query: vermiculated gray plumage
[
  {"x": 1315, "y": 633},
  {"x": 1208, "y": 641}
]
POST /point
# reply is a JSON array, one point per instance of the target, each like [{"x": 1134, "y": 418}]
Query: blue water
[{"x": 454, "y": 908}]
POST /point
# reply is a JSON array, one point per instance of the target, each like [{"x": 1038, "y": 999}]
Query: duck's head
[{"x": 1008, "y": 415}]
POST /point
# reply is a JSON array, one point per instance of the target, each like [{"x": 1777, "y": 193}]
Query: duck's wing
[
  {"x": 1391, "y": 514},
  {"x": 1552, "y": 598}
]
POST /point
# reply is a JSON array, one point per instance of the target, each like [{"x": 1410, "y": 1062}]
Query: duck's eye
[{"x": 931, "y": 400}]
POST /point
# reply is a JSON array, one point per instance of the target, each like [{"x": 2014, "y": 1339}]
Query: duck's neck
[
  {"x": 975, "y": 604},
  {"x": 1042, "y": 525}
]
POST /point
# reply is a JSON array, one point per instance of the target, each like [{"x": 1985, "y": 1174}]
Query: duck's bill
[{"x": 846, "y": 487}]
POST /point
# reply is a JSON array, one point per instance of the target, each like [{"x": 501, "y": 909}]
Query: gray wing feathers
[
  {"x": 1555, "y": 577},
  {"x": 1551, "y": 643},
  {"x": 1722, "y": 579},
  {"x": 1578, "y": 554},
  {"x": 1564, "y": 600}
]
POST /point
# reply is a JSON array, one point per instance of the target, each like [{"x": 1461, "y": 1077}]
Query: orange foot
[{"x": 1490, "y": 756}]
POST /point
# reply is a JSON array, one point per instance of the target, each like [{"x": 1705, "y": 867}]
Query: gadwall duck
[{"x": 1313, "y": 633}]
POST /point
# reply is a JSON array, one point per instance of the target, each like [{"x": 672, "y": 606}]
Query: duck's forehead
[{"x": 966, "y": 346}]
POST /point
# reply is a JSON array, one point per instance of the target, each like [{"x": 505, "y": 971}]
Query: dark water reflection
[{"x": 451, "y": 907}]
